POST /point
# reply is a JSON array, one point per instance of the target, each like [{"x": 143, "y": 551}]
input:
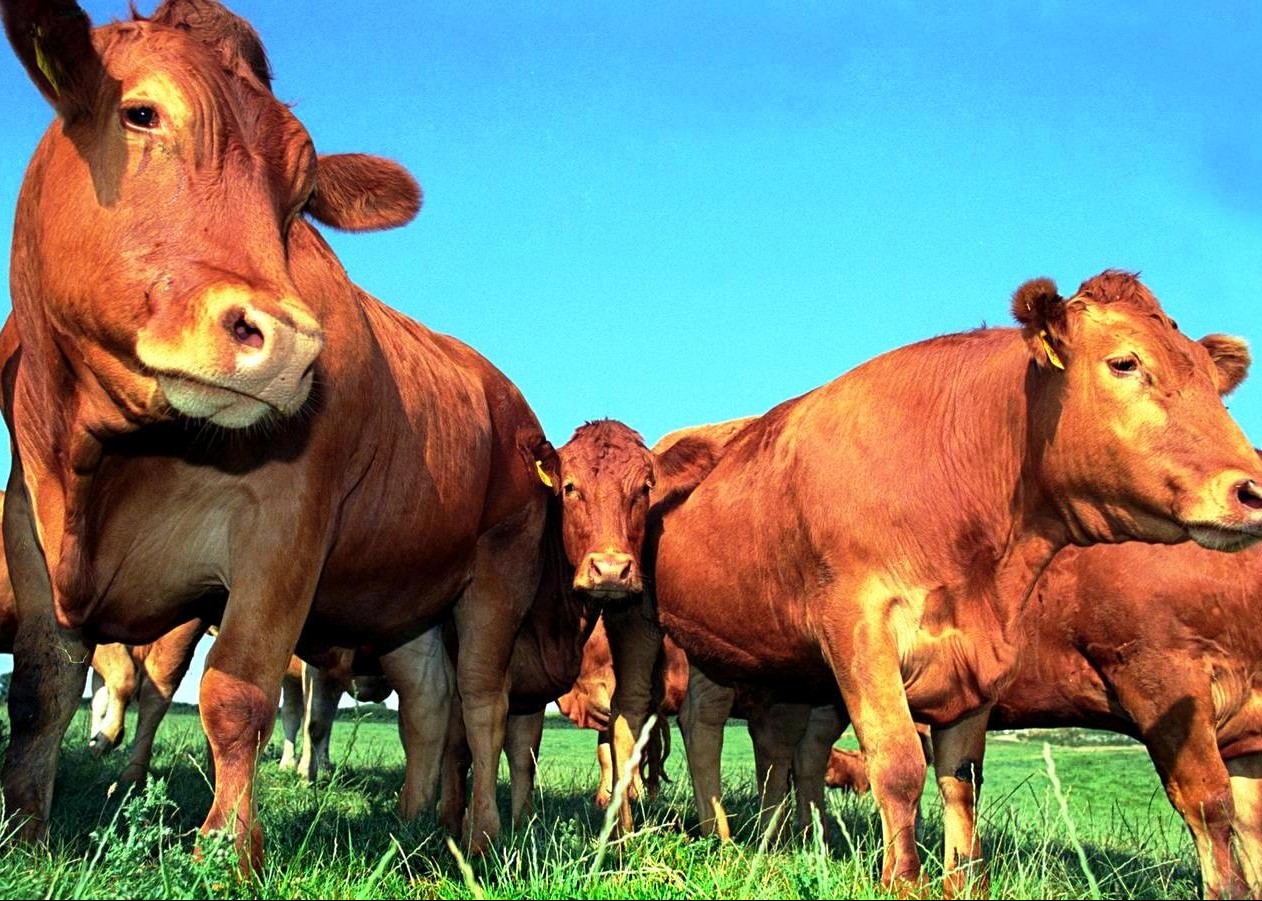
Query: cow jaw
[{"x": 234, "y": 363}]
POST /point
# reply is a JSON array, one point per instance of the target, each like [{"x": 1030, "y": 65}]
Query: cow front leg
[
  {"x": 958, "y": 753},
  {"x": 291, "y": 714},
  {"x": 1246, "y": 793},
  {"x": 320, "y": 695},
  {"x": 776, "y": 730},
  {"x": 241, "y": 685},
  {"x": 521, "y": 744},
  {"x": 635, "y": 644},
  {"x": 49, "y": 670}
]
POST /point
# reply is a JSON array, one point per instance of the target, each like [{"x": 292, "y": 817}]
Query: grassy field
[{"x": 341, "y": 838}]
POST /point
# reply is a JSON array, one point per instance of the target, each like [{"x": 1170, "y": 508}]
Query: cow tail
[{"x": 656, "y": 752}]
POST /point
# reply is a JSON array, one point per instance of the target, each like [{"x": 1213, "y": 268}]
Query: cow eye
[
  {"x": 569, "y": 489},
  {"x": 1124, "y": 366},
  {"x": 141, "y": 117}
]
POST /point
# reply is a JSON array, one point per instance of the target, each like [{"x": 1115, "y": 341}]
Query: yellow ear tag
[
  {"x": 45, "y": 64},
  {"x": 543, "y": 476},
  {"x": 1051, "y": 354}
]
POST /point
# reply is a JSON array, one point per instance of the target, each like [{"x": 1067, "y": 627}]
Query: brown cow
[
  {"x": 210, "y": 419},
  {"x": 1163, "y": 644},
  {"x": 603, "y": 478},
  {"x": 309, "y": 698},
  {"x": 881, "y": 535},
  {"x": 847, "y": 772}
]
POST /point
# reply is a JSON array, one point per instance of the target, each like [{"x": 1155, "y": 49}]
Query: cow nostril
[
  {"x": 244, "y": 331},
  {"x": 1249, "y": 494},
  {"x": 625, "y": 573}
]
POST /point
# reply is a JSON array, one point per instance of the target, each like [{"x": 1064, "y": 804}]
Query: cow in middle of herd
[{"x": 355, "y": 483}]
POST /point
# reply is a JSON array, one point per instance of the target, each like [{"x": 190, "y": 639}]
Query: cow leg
[
  {"x": 320, "y": 695},
  {"x": 164, "y": 669},
  {"x": 421, "y": 673},
  {"x": 456, "y": 763},
  {"x": 776, "y": 730},
  {"x": 867, "y": 669},
  {"x": 521, "y": 743},
  {"x": 291, "y": 714},
  {"x": 702, "y": 718},
  {"x": 113, "y": 685},
  {"x": 1245, "y": 774},
  {"x": 49, "y": 670},
  {"x": 958, "y": 752},
  {"x": 810, "y": 762},
  {"x": 635, "y": 644},
  {"x": 487, "y": 616},
  {"x": 241, "y": 686},
  {"x": 604, "y": 757}
]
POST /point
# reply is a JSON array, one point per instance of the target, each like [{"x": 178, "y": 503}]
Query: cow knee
[
  {"x": 235, "y": 714},
  {"x": 897, "y": 779}
]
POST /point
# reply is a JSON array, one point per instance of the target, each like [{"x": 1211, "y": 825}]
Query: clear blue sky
[{"x": 678, "y": 213}]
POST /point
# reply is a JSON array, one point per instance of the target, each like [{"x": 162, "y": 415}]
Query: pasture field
[{"x": 1108, "y": 832}]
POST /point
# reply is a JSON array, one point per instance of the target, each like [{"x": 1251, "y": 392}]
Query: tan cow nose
[
  {"x": 1249, "y": 494},
  {"x": 610, "y": 569}
]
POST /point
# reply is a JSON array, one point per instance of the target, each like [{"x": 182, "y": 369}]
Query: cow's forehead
[
  {"x": 606, "y": 447},
  {"x": 1151, "y": 333}
]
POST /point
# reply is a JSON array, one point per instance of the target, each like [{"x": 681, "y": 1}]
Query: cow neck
[
  {"x": 985, "y": 436},
  {"x": 561, "y": 618}
]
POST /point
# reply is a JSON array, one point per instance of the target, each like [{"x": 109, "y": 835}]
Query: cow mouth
[
  {"x": 1217, "y": 537},
  {"x": 101, "y": 744},
  {"x": 225, "y": 406},
  {"x": 609, "y": 594}
]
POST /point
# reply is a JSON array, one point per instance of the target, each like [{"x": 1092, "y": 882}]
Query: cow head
[
  {"x": 1129, "y": 426},
  {"x": 151, "y": 237}
]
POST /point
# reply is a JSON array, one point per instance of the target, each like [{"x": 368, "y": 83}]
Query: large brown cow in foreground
[
  {"x": 210, "y": 419},
  {"x": 881, "y": 535}
]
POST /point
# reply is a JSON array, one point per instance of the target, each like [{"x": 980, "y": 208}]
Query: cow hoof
[{"x": 602, "y": 799}]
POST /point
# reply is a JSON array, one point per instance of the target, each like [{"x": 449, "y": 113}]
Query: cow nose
[
  {"x": 610, "y": 569},
  {"x": 1249, "y": 494},
  {"x": 241, "y": 324}
]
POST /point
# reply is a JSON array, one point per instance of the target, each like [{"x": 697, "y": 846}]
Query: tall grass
[{"x": 341, "y": 837}]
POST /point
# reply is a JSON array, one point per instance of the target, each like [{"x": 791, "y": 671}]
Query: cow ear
[
  {"x": 358, "y": 192},
  {"x": 681, "y": 467},
  {"x": 1040, "y": 310},
  {"x": 53, "y": 39},
  {"x": 1231, "y": 360},
  {"x": 541, "y": 457}
]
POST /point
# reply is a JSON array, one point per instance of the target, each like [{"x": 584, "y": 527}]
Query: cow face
[
  {"x": 151, "y": 237},
  {"x": 1134, "y": 440},
  {"x": 604, "y": 479}
]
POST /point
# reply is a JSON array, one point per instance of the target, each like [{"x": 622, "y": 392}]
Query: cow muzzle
[
  {"x": 239, "y": 361},
  {"x": 1229, "y": 517},
  {"x": 608, "y": 576}
]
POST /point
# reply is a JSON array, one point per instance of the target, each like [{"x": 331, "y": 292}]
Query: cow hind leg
[
  {"x": 291, "y": 714},
  {"x": 320, "y": 695},
  {"x": 702, "y": 718},
  {"x": 810, "y": 762},
  {"x": 109, "y": 714},
  {"x": 455, "y": 778},
  {"x": 421, "y": 673},
  {"x": 776, "y": 730},
  {"x": 521, "y": 744},
  {"x": 604, "y": 758},
  {"x": 164, "y": 670},
  {"x": 1245, "y": 774},
  {"x": 487, "y": 616}
]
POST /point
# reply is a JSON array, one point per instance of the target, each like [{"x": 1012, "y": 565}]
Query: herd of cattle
[{"x": 211, "y": 424}]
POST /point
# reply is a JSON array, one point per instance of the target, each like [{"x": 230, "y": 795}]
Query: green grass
[{"x": 342, "y": 838}]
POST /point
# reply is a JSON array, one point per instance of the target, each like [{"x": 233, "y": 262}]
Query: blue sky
[{"x": 679, "y": 213}]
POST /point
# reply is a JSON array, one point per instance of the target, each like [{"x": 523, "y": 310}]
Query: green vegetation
[{"x": 342, "y": 839}]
